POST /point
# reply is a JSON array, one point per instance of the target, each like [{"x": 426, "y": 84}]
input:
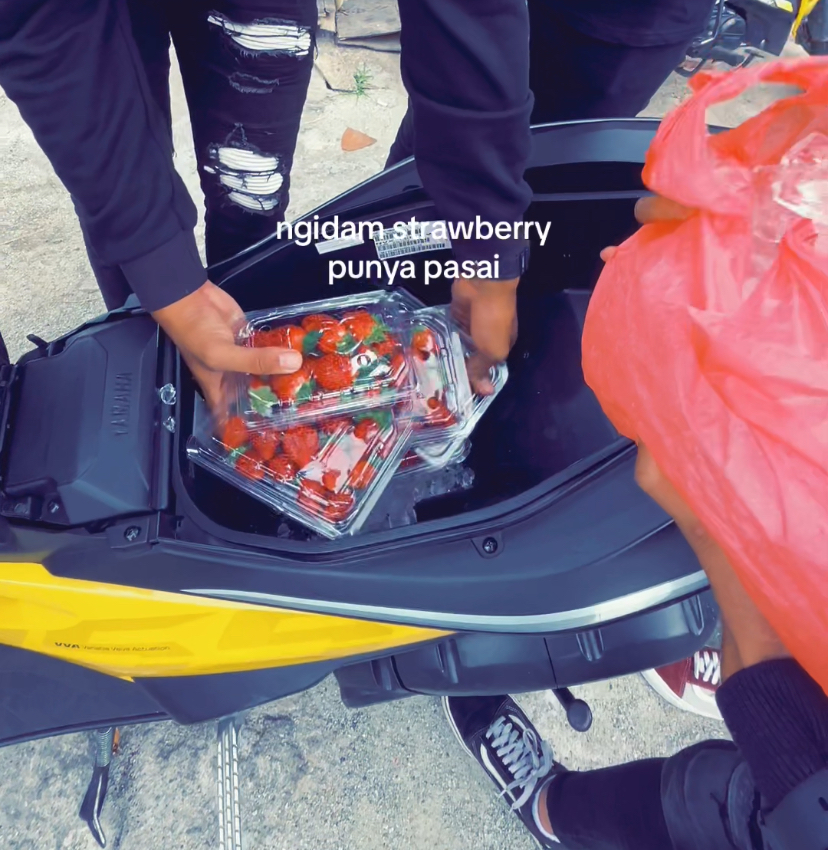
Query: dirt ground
[{"x": 315, "y": 775}]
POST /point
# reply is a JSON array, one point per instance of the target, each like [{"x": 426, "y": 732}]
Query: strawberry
[
  {"x": 336, "y": 340},
  {"x": 362, "y": 475},
  {"x": 366, "y": 429},
  {"x": 439, "y": 414},
  {"x": 397, "y": 368},
  {"x": 298, "y": 386},
  {"x": 333, "y": 372},
  {"x": 281, "y": 469},
  {"x": 373, "y": 424},
  {"x": 258, "y": 381},
  {"x": 386, "y": 347},
  {"x": 300, "y": 444},
  {"x": 264, "y": 444},
  {"x": 338, "y": 506},
  {"x": 312, "y": 496},
  {"x": 423, "y": 342},
  {"x": 250, "y": 467},
  {"x": 290, "y": 336},
  {"x": 331, "y": 426},
  {"x": 318, "y": 322},
  {"x": 329, "y": 478},
  {"x": 365, "y": 327},
  {"x": 265, "y": 338},
  {"x": 235, "y": 435}
]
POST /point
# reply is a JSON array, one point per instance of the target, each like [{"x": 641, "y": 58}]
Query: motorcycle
[
  {"x": 739, "y": 31},
  {"x": 136, "y": 587}
]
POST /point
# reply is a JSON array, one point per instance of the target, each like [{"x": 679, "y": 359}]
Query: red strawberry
[
  {"x": 331, "y": 426},
  {"x": 329, "y": 478},
  {"x": 250, "y": 467},
  {"x": 423, "y": 342},
  {"x": 281, "y": 469},
  {"x": 386, "y": 347},
  {"x": 300, "y": 444},
  {"x": 333, "y": 372},
  {"x": 312, "y": 496},
  {"x": 439, "y": 414},
  {"x": 318, "y": 322},
  {"x": 290, "y": 336},
  {"x": 336, "y": 340},
  {"x": 264, "y": 444},
  {"x": 397, "y": 368},
  {"x": 366, "y": 429},
  {"x": 362, "y": 325},
  {"x": 338, "y": 506},
  {"x": 362, "y": 475},
  {"x": 257, "y": 382},
  {"x": 264, "y": 339},
  {"x": 298, "y": 386},
  {"x": 235, "y": 434}
]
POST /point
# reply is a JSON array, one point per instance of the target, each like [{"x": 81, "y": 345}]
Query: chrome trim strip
[{"x": 579, "y": 618}]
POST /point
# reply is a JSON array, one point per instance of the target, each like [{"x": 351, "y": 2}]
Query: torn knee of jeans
[
  {"x": 251, "y": 84},
  {"x": 252, "y": 179},
  {"x": 266, "y": 36}
]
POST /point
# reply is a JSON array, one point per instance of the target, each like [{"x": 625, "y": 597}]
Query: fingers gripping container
[
  {"x": 353, "y": 360},
  {"x": 327, "y": 475},
  {"x": 446, "y": 409}
]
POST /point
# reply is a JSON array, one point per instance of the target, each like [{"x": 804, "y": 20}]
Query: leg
[
  {"x": 617, "y": 808},
  {"x": 403, "y": 146},
  {"x": 701, "y": 797},
  {"x": 246, "y": 67},
  {"x": 709, "y": 799},
  {"x": 575, "y": 76},
  {"x": 151, "y": 33}
]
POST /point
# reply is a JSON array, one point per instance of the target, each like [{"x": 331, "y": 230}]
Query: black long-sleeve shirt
[
  {"x": 74, "y": 72},
  {"x": 778, "y": 716}
]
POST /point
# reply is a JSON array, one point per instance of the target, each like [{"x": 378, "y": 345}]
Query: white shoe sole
[
  {"x": 453, "y": 726},
  {"x": 699, "y": 705}
]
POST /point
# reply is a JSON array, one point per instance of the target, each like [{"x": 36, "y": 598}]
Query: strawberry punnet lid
[{"x": 354, "y": 360}]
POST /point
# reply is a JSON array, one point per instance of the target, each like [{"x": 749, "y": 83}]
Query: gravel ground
[{"x": 315, "y": 775}]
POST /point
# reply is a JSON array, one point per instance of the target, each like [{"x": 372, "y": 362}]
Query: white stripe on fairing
[
  {"x": 577, "y": 618},
  {"x": 261, "y": 36}
]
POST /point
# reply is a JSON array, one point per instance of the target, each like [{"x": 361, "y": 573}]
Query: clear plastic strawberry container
[
  {"x": 446, "y": 408},
  {"x": 354, "y": 360},
  {"x": 327, "y": 475}
]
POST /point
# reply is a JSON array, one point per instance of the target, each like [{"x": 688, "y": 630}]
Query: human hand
[
  {"x": 487, "y": 310},
  {"x": 203, "y": 325},
  {"x": 748, "y": 637},
  {"x": 653, "y": 209}
]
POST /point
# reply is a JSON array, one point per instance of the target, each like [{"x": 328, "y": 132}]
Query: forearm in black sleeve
[
  {"x": 465, "y": 64},
  {"x": 73, "y": 70},
  {"x": 778, "y": 716}
]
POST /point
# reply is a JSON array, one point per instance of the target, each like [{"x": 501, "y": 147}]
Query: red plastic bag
[{"x": 707, "y": 340}]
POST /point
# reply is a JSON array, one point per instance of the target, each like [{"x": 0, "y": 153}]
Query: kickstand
[
  {"x": 90, "y": 810},
  {"x": 230, "y": 831}
]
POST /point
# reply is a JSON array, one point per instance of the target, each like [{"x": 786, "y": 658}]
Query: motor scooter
[{"x": 136, "y": 587}]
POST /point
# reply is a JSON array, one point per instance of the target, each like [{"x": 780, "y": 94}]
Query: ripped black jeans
[{"x": 246, "y": 65}]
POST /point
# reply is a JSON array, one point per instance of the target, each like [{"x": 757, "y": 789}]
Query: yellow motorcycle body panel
[
  {"x": 131, "y": 632},
  {"x": 805, "y": 9}
]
